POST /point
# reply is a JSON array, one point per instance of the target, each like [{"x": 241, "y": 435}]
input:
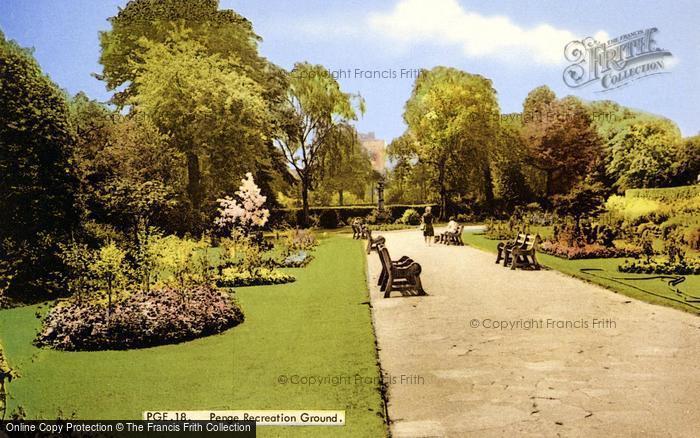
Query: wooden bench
[
  {"x": 399, "y": 275},
  {"x": 357, "y": 231},
  {"x": 505, "y": 247},
  {"x": 454, "y": 238},
  {"x": 524, "y": 255},
  {"x": 384, "y": 275},
  {"x": 373, "y": 243}
]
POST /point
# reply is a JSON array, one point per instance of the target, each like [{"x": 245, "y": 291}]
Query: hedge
[
  {"x": 665, "y": 194},
  {"x": 345, "y": 213}
]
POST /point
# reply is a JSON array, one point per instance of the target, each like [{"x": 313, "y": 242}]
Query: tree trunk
[
  {"x": 488, "y": 185},
  {"x": 194, "y": 183},
  {"x": 549, "y": 187},
  {"x": 443, "y": 192},
  {"x": 305, "y": 202},
  {"x": 340, "y": 197}
]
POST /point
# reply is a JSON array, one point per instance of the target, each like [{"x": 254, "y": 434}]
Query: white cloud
[
  {"x": 446, "y": 22},
  {"x": 671, "y": 62}
]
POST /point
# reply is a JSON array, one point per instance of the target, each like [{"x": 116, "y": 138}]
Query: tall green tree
[
  {"x": 537, "y": 104},
  {"x": 221, "y": 32},
  {"x": 214, "y": 114},
  {"x": 508, "y": 159},
  {"x": 36, "y": 183},
  {"x": 127, "y": 170},
  {"x": 644, "y": 153},
  {"x": 195, "y": 70},
  {"x": 314, "y": 110},
  {"x": 561, "y": 141},
  {"x": 347, "y": 167},
  {"x": 453, "y": 116},
  {"x": 688, "y": 164}
]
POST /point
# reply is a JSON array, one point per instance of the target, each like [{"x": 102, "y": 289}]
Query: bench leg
[
  {"x": 419, "y": 285},
  {"x": 517, "y": 261},
  {"x": 382, "y": 276},
  {"x": 508, "y": 259},
  {"x": 389, "y": 286},
  {"x": 499, "y": 257}
]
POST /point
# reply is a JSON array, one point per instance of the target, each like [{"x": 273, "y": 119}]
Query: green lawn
[
  {"x": 609, "y": 269},
  {"x": 317, "y": 326}
]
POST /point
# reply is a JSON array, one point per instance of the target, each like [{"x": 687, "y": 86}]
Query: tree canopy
[
  {"x": 37, "y": 184},
  {"x": 453, "y": 116},
  {"x": 560, "y": 139},
  {"x": 314, "y": 110}
]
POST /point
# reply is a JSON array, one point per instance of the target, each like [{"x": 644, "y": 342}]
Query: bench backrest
[
  {"x": 530, "y": 242},
  {"x": 520, "y": 239},
  {"x": 384, "y": 257}
]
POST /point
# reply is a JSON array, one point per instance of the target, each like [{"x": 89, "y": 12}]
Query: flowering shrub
[
  {"x": 593, "y": 251},
  {"x": 234, "y": 277},
  {"x": 246, "y": 215},
  {"x": 108, "y": 270},
  {"x": 182, "y": 263},
  {"x": 683, "y": 267},
  {"x": 143, "y": 319},
  {"x": 299, "y": 240}
]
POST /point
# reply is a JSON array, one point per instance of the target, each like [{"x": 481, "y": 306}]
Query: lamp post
[{"x": 380, "y": 194}]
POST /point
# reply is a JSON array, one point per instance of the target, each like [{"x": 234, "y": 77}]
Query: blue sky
[{"x": 518, "y": 45}]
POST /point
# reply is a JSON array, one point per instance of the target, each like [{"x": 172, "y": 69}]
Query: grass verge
[
  {"x": 319, "y": 326},
  {"x": 657, "y": 291}
]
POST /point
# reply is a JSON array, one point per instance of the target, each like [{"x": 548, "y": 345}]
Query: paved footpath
[{"x": 637, "y": 373}]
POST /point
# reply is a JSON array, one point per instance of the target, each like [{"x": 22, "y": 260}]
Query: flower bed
[
  {"x": 143, "y": 319},
  {"x": 233, "y": 277},
  {"x": 593, "y": 251},
  {"x": 685, "y": 267}
]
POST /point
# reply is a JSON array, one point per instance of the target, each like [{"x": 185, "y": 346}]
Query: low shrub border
[
  {"x": 594, "y": 251},
  {"x": 665, "y": 194},
  {"x": 232, "y": 277},
  {"x": 685, "y": 267},
  {"x": 143, "y": 319},
  {"x": 327, "y": 215}
]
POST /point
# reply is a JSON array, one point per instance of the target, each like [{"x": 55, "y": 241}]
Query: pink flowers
[{"x": 247, "y": 214}]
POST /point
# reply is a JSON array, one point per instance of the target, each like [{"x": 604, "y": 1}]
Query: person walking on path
[{"x": 427, "y": 225}]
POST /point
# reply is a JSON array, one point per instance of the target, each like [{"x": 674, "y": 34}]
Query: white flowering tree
[{"x": 245, "y": 213}]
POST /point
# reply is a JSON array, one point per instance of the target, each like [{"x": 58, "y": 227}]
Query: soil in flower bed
[{"x": 144, "y": 319}]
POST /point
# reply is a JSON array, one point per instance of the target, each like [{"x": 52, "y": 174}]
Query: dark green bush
[
  {"x": 380, "y": 217},
  {"x": 36, "y": 188},
  {"x": 329, "y": 219},
  {"x": 410, "y": 217}
]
